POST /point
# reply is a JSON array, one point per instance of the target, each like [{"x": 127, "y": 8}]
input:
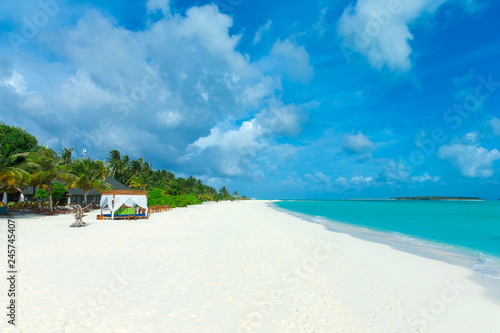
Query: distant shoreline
[
  {"x": 436, "y": 198},
  {"x": 391, "y": 199}
]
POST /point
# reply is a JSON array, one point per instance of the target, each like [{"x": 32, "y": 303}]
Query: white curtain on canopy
[
  {"x": 106, "y": 200},
  {"x": 120, "y": 199}
]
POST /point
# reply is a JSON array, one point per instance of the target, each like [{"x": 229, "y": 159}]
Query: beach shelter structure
[
  {"x": 75, "y": 195},
  {"x": 115, "y": 199}
]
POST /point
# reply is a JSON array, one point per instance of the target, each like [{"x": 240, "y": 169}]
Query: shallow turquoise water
[{"x": 466, "y": 225}]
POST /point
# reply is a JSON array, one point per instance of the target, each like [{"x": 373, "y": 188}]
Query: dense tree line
[
  {"x": 24, "y": 163},
  {"x": 138, "y": 174}
]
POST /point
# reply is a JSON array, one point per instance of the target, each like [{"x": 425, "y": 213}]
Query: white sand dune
[{"x": 232, "y": 267}]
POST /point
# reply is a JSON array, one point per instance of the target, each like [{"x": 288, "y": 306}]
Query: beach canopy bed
[{"x": 115, "y": 199}]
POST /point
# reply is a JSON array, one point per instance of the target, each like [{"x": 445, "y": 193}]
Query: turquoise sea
[{"x": 467, "y": 230}]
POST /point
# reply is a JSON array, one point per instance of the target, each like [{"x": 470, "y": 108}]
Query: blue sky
[{"x": 282, "y": 99}]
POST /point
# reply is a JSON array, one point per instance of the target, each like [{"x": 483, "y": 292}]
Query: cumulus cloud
[
  {"x": 380, "y": 30},
  {"x": 176, "y": 91},
  {"x": 229, "y": 150},
  {"x": 288, "y": 60},
  {"x": 357, "y": 144},
  {"x": 472, "y": 160}
]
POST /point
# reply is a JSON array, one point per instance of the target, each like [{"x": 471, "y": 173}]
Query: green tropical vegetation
[
  {"x": 58, "y": 192},
  {"x": 88, "y": 175},
  {"x": 15, "y": 140},
  {"x": 11, "y": 174},
  {"x": 163, "y": 186},
  {"x": 46, "y": 168},
  {"x": 24, "y": 163}
]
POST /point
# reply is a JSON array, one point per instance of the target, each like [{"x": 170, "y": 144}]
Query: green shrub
[
  {"x": 58, "y": 192},
  {"x": 158, "y": 197}
]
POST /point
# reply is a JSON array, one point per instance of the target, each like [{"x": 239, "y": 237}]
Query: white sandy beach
[{"x": 231, "y": 267}]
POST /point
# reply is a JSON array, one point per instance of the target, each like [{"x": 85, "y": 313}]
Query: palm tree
[
  {"x": 89, "y": 175},
  {"x": 11, "y": 175},
  {"x": 173, "y": 187},
  {"x": 65, "y": 155},
  {"x": 223, "y": 192},
  {"x": 47, "y": 168},
  {"x": 135, "y": 168},
  {"x": 124, "y": 169},
  {"x": 118, "y": 165},
  {"x": 139, "y": 182},
  {"x": 199, "y": 188},
  {"x": 114, "y": 160}
]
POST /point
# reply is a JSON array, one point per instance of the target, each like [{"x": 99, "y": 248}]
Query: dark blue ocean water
[{"x": 471, "y": 228}]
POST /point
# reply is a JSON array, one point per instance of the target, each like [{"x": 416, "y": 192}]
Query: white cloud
[
  {"x": 293, "y": 180},
  {"x": 322, "y": 177},
  {"x": 288, "y": 60},
  {"x": 341, "y": 181},
  {"x": 319, "y": 178},
  {"x": 16, "y": 95},
  {"x": 166, "y": 90},
  {"x": 357, "y": 143},
  {"x": 260, "y": 32},
  {"x": 321, "y": 24},
  {"x": 356, "y": 181},
  {"x": 155, "y": 5},
  {"x": 425, "y": 178},
  {"x": 229, "y": 150},
  {"x": 241, "y": 139},
  {"x": 170, "y": 119},
  {"x": 380, "y": 30},
  {"x": 281, "y": 119},
  {"x": 79, "y": 92},
  {"x": 16, "y": 82},
  {"x": 471, "y": 138},
  {"x": 394, "y": 173},
  {"x": 495, "y": 124},
  {"x": 471, "y": 160}
]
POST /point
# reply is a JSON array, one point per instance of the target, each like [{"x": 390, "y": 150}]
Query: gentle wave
[{"x": 481, "y": 263}]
